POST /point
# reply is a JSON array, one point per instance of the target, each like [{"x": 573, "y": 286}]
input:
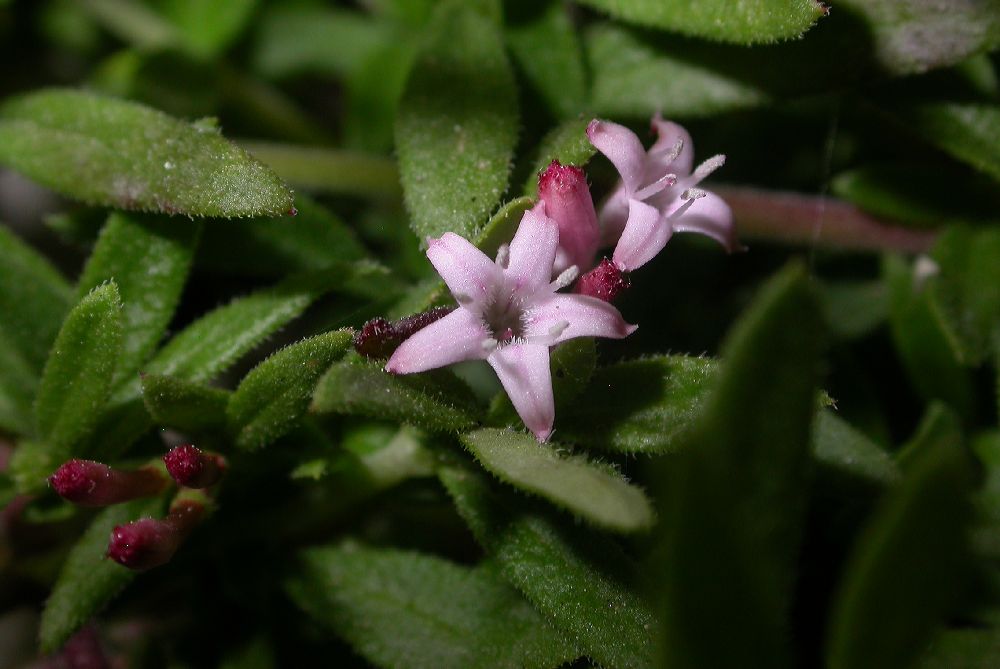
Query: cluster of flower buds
[{"x": 146, "y": 542}]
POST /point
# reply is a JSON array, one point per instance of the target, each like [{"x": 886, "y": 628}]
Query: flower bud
[
  {"x": 605, "y": 282},
  {"x": 148, "y": 542},
  {"x": 190, "y": 467},
  {"x": 90, "y": 483},
  {"x": 378, "y": 338},
  {"x": 564, "y": 191}
]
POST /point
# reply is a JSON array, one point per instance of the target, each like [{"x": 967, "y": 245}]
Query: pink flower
[
  {"x": 658, "y": 194},
  {"x": 564, "y": 190},
  {"x": 509, "y": 314}
]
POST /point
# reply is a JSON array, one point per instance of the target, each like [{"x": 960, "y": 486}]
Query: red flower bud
[
  {"x": 90, "y": 483},
  {"x": 192, "y": 468},
  {"x": 605, "y": 282},
  {"x": 147, "y": 542},
  {"x": 564, "y": 190},
  {"x": 378, "y": 338}
]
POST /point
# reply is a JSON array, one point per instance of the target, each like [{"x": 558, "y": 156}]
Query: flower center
[{"x": 504, "y": 316}]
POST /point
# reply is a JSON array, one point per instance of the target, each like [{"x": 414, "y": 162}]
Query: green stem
[{"x": 330, "y": 170}]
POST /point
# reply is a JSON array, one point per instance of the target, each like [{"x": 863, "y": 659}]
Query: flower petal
[
  {"x": 469, "y": 273},
  {"x": 711, "y": 216},
  {"x": 623, "y": 148},
  {"x": 613, "y": 216},
  {"x": 668, "y": 133},
  {"x": 645, "y": 235},
  {"x": 523, "y": 370},
  {"x": 532, "y": 252},
  {"x": 456, "y": 337},
  {"x": 586, "y": 317}
]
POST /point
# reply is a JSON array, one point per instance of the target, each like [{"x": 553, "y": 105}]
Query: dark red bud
[
  {"x": 408, "y": 326},
  {"x": 605, "y": 282},
  {"x": 379, "y": 338},
  {"x": 83, "y": 651},
  {"x": 190, "y": 467},
  {"x": 90, "y": 483},
  {"x": 561, "y": 179},
  {"x": 147, "y": 542}
]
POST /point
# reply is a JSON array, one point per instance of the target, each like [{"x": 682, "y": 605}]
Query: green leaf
[
  {"x": 77, "y": 377},
  {"x": 908, "y": 566},
  {"x": 208, "y": 28},
  {"x": 148, "y": 259},
  {"x": 434, "y": 400},
  {"x": 183, "y": 405},
  {"x": 963, "y": 649},
  {"x": 272, "y": 398},
  {"x": 502, "y": 225},
  {"x": 970, "y": 132},
  {"x": 854, "y": 308},
  {"x": 568, "y": 143},
  {"x": 373, "y": 93},
  {"x": 457, "y": 124},
  {"x": 405, "y": 609},
  {"x": 581, "y": 581},
  {"x": 546, "y": 47},
  {"x": 638, "y": 406},
  {"x": 595, "y": 492},
  {"x": 838, "y": 445},
  {"x": 751, "y": 22},
  {"x": 735, "y": 500},
  {"x": 87, "y": 580},
  {"x": 121, "y": 154}
]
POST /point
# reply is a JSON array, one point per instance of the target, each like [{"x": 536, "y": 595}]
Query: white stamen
[
  {"x": 489, "y": 345},
  {"x": 558, "y": 328},
  {"x": 674, "y": 151},
  {"x": 666, "y": 181},
  {"x": 709, "y": 166},
  {"x": 693, "y": 194},
  {"x": 503, "y": 256},
  {"x": 681, "y": 210},
  {"x": 567, "y": 277},
  {"x": 463, "y": 299}
]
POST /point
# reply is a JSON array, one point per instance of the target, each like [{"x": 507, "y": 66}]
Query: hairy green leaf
[
  {"x": 581, "y": 581},
  {"x": 735, "y": 500},
  {"x": 595, "y": 492},
  {"x": 435, "y": 400},
  {"x": 970, "y": 132},
  {"x": 88, "y": 580},
  {"x": 457, "y": 124},
  {"x": 183, "y": 405},
  {"x": 908, "y": 566},
  {"x": 836, "y": 444},
  {"x": 272, "y": 398},
  {"x": 405, "y": 609},
  {"x": 122, "y": 154},
  {"x": 750, "y": 22},
  {"x": 638, "y": 406},
  {"x": 77, "y": 377},
  {"x": 148, "y": 259},
  {"x": 568, "y": 143}
]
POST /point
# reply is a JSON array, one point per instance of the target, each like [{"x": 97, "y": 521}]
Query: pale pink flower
[
  {"x": 564, "y": 190},
  {"x": 510, "y": 315},
  {"x": 657, "y": 195}
]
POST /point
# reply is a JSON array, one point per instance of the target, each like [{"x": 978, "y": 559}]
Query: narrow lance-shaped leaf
[
  {"x": 404, "y": 609},
  {"x": 969, "y": 132},
  {"x": 457, "y": 124},
  {"x": 88, "y": 581},
  {"x": 183, "y": 405},
  {"x": 148, "y": 259},
  {"x": 735, "y": 500},
  {"x": 272, "y": 398},
  {"x": 125, "y": 155},
  {"x": 567, "y": 143},
  {"x": 595, "y": 492},
  {"x": 908, "y": 565},
  {"x": 581, "y": 581}
]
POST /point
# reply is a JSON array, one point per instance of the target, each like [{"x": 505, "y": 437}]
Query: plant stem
[{"x": 804, "y": 219}]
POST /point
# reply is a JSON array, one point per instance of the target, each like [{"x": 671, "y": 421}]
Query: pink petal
[
  {"x": 613, "y": 216},
  {"x": 622, "y": 148},
  {"x": 469, "y": 273},
  {"x": 564, "y": 190},
  {"x": 532, "y": 252},
  {"x": 586, "y": 316},
  {"x": 456, "y": 337},
  {"x": 711, "y": 216},
  {"x": 523, "y": 370},
  {"x": 645, "y": 235},
  {"x": 667, "y": 135}
]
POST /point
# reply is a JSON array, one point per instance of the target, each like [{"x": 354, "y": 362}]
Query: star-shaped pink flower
[
  {"x": 657, "y": 195},
  {"x": 509, "y": 314}
]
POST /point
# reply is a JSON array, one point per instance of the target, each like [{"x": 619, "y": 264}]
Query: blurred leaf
[
  {"x": 854, "y": 308},
  {"x": 939, "y": 425},
  {"x": 133, "y": 22},
  {"x": 839, "y": 445},
  {"x": 969, "y": 132},
  {"x": 734, "y": 503},
  {"x": 168, "y": 80},
  {"x": 567, "y": 143},
  {"x": 581, "y": 581},
  {"x": 87, "y": 580},
  {"x": 30, "y": 464},
  {"x": 963, "y": 649},
  {"x": 208, "y": 28},
  {"x": 314, "y": 239},
  {"x": 908, "y": 566},
  {"x": 272, "y": 398},
  {"x": 257, "y": 654},
  {"x": 77, "y": 377},
  {"x": 545, "y": 45},
  {"x": 121, "y": 154},
  {"x": 967, "y": 290},
  {"x": 18, "y": 383},
  {"x": 148, "y": 260},
  {"x": 405, "y": 609},
  {"x": 457, "y": 124},
  {"x": 632, "y": 78},
  {"x": 373, "y": 92},
  {"x": 593, "y": 491},
  {"x": 435, "y": 400},
  {"x": 752, "y": 22},
  {"x": 183, "y": 405},
  {"x": 920, "y": 340},
  {"x": 638, "y": 406}
]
